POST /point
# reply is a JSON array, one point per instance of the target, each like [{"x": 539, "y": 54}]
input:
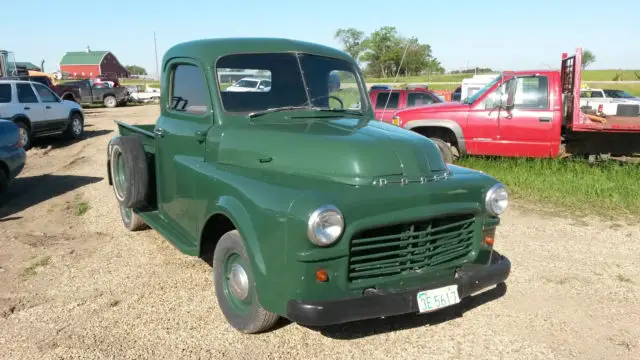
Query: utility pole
[{"x": 155, "y": 45}]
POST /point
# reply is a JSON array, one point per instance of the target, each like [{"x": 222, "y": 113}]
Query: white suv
[{"x": 38, "y": 111}]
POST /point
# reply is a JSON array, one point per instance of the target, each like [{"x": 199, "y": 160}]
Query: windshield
[
  {"x": 246, "y": 83},
  {"x": 327, "y": 84},
  {"x": 620, "y": 94},
  {"x": 471, "y": 99}
]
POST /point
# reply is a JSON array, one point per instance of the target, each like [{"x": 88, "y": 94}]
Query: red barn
[{"x": 90, "y": 63}]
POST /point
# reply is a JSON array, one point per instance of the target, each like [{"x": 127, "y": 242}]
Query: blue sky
[{"x": 499, "y": 34}]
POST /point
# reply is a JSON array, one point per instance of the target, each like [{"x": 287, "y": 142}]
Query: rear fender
[{"x": 447, "y": 124}]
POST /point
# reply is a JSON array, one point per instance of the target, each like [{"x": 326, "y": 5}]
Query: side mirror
[{"x": 511, "y": 93}]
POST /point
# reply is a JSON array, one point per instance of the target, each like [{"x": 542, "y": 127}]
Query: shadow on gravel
[
  {"x": 25, "y": 192},
  {"x": 365, "y": 328},
  {"x": 58, "y": 142}
]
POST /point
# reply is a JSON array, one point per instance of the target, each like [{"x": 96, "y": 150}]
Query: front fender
[
  {"x": 441, "y": 123},
  {"x": 239, "y": 216}
]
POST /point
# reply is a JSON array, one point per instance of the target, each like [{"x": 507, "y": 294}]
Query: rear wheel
[
  {"x": 235, "y": 287},
  {"x": 131, "y": 220}
]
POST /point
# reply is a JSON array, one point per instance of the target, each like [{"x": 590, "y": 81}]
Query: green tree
[
  {"x": 351, "y": 40},
  {"x": 383, "y": 52},
  {"x": 136, "y": 70},
  {"x": 588, "y": 58}
]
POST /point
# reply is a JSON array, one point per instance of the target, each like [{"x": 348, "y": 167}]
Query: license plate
[{"x": 430, "y": 300}]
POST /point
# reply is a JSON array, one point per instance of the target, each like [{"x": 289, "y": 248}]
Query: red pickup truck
[
  {"x": 386, "y": 102},
  {"x": 524, "y": 114}
]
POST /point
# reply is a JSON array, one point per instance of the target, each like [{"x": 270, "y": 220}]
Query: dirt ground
[{"x": 75, "y": 284}]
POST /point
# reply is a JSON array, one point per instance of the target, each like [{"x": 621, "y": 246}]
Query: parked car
[
  {"x": 250, "y": 84},
  {"x": 609, "y": 102},
  {"x": 143, "y": 94},
  {"x": 12, "y": 155},
  {"x": 38, "y": 111},
  {"x": 96, "y": 93},
  {"x": 524, "y": 114},
  {"x": 317, "y": 213},
  {"x": 387, "y": 102}
]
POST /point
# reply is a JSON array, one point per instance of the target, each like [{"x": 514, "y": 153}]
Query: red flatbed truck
[{"x": 524, "y": 114}]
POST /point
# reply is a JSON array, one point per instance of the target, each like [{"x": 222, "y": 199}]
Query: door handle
[
  {"x": 47, "y": 107},
  {"x": 544, "y": 119},
  {"x": 200, "y": 136},
  {"x": 27, "y": 108},
  {"x": 159, "y": 132}
]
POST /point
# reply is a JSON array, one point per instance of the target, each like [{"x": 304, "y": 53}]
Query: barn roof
[{"x": 93, "y": 57}]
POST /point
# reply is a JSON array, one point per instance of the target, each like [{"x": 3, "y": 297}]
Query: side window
[
  {"x": 189, "y": 90},
  {"x": 45, "y": 94},
  {"x": 26, "y": 94},
  {"x": 532, "y": 93},
  {"x": 596, "y": 94},
  {"x": 418, "y": 99},
  {"x": 381, "y": 100},
  {"x": 5, "y": 93}
]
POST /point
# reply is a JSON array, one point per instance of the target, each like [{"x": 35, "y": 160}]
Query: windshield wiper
[{"x": 277, "y": 109}]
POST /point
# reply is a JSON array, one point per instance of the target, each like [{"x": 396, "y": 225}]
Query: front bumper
[{"x": 470, "y": 278}]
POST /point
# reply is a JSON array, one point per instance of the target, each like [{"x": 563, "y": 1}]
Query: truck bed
[
  {"x": 144, "y": 131},
  {"x": 573, "y": 118},
  {"x": 614, "y": 124}
]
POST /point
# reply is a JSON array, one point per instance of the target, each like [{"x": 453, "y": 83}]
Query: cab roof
[{"x": 209, "y": 50}]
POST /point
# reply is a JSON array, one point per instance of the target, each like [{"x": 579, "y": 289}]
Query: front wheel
[
  {"x": 75, "y": 129},
  {"x": 449, "y": 153},
  {"x": 235, "y": 287}
]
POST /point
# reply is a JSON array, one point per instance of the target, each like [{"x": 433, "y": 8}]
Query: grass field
[{"x": 607, "y": 188}]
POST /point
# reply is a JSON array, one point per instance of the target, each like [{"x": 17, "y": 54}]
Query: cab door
[
  {"x": 386, "y": 103},
  {"x": 528, "y": 128},
  {"x": 180, "y": 134}
]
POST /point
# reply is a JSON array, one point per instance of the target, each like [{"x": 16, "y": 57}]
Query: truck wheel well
[
  {"x": 4, "y": 168},
  {"x": 442, "y": 133},
  {"x": 216, "y": 226}
]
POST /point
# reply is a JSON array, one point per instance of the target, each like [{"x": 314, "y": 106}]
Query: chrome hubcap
[
  {"x": 24, "y": 136},
  {"x": 239, "y": 281},
  {"x": 76, "y": 126}
]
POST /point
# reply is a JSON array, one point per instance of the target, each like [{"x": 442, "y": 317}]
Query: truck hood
[
  {"x": 345, "y": 150},
  {"x": 445, "y": 106}
]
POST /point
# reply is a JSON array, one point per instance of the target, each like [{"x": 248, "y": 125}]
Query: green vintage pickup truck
[{"x": 306, "y": 206}]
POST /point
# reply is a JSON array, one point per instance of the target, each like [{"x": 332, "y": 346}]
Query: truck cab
[
  {"x": 306, "y": 206},
  {"x": 386, "y": 102}
]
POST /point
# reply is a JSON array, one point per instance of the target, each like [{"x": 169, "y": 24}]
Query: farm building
[{"x": 90, "y": 63}]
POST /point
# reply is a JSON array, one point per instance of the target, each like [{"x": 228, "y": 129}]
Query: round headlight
[
  {"x": 325, "y": 225},
  {"x": 497, "y": 199}
]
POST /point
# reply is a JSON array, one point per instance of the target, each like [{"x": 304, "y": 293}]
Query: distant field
[{"x": 592, "y": 76}]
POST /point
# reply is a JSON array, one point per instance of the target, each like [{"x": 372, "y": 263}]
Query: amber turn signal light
[
  {"x": 321, "y": 275},
  {"x": 489, "y": 236}
]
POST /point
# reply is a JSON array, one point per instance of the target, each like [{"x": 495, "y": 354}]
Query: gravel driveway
[{"x": 75, "y": 284}]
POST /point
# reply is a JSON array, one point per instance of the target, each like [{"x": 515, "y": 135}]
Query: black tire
[
  {"x": 75, "y": 129},
  {"x": 446, "y": 150},
  {"x": 110, "y": 101},
  {"x": 24, "y": 129},
  {"x": 129, "y": 171},
  {"x": 131, "y": 220},
  {"x": 244, "y": 314},
  {"x": 4, "y": 182}
]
